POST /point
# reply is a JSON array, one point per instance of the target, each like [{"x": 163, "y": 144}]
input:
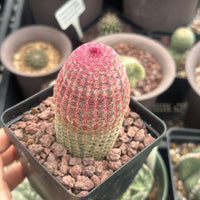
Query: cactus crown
[
  {"x": 36, "y": 58},
  {"x": 109, "y": 24},
  {"x": 91, "y": 93},
  {"x": 135, "y": 70},
  {"x": 182, "y": 39}
]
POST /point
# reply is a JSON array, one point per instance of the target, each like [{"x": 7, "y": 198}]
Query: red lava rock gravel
[{"x": 36, "y": 131}]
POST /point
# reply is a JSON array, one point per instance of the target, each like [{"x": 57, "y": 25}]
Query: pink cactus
[{"x": 92, "y": 93}]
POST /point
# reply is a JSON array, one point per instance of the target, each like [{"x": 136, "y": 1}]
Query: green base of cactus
[{"x": 86, "y": 143}]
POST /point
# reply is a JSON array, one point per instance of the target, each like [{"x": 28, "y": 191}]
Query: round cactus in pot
[
  {"x": 36, "y": 58},
  {"x": 182, "y": 39},
  {"x": 109, "y": 24},
  {"x": 92, "y": 94}
]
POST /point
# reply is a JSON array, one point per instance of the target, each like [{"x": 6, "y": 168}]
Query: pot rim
[
  {"x": 193, "y": 59},
  {"x": 39, "y": 31},
  {"x": 154, "y": 124},
  {"x": 146, "y": 43}
]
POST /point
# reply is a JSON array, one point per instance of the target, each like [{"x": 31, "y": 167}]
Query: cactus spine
[
  {"x": 109, "y": 24},
  {"x": 91, "y": 94},
  {"x": 36, "y": 58}
]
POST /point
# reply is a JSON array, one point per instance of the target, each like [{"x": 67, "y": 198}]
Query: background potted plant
[
  {"x": 42, "y": 174},
  {"x": 192, "y": 74},
  {"x": 52, "y": 54},
  {"x": 183, "y": 146},
  {"x": 178, "y": 44},
  {"x": 160, "y": 16}
]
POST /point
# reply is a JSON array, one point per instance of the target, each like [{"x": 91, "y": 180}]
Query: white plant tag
[{"x": 68, "y": 14}]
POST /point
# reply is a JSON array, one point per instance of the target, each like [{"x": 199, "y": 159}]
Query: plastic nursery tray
[
  {"x": 48, "y": 187},
  {"x": 180, "y": 135}
]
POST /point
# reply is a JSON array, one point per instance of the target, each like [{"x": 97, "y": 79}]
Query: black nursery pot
[
  {"x": 180, "y": 135},
  {"x": 48, "y": 187}
]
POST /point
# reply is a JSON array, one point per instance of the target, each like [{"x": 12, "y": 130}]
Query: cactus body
[
  {"x": 135, "y": 70},
  {"x": 109, "y": 24},
  {"x": 36, "y": 58},
  {"x": 182, "y": 39},
  {"x": 91, "y": 93},
  {"x": 189, "y": 172}
]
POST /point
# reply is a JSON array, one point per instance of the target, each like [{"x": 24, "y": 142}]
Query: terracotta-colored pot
[
  {"x": 157, "y": 51},
  {"x": 160, "y": 15},
  {"x": 193, "y": 111},
  {"x": 32, "y": 83}
]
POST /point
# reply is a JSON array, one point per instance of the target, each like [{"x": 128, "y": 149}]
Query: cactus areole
[{"x": 92, "y": 94}]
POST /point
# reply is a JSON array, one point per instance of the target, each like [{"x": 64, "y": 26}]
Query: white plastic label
[{"x": 68, "y": 14}]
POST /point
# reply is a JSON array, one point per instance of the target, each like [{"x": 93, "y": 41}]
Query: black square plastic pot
[
  {"x": 180, "y": 135},
  {"x": 49, "y": 187}
]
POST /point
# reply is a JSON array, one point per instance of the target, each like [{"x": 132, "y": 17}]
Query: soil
[
  {"x": 36, "y": 131},
  {"x": 152, "y": 68}
]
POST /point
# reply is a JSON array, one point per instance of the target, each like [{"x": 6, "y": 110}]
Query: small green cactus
[
  {"x": 109, "y": 24},
  {"x": 189, "y": 173},
  {"x": 135, "y": 70},
  {"x": 182, "y": 39},
  {"x": 192, "y": 185},
  {"x": 36, "y": 58}
]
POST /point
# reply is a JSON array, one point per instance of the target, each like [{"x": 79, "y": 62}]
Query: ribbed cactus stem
[{"x": 91, "y": 93}]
